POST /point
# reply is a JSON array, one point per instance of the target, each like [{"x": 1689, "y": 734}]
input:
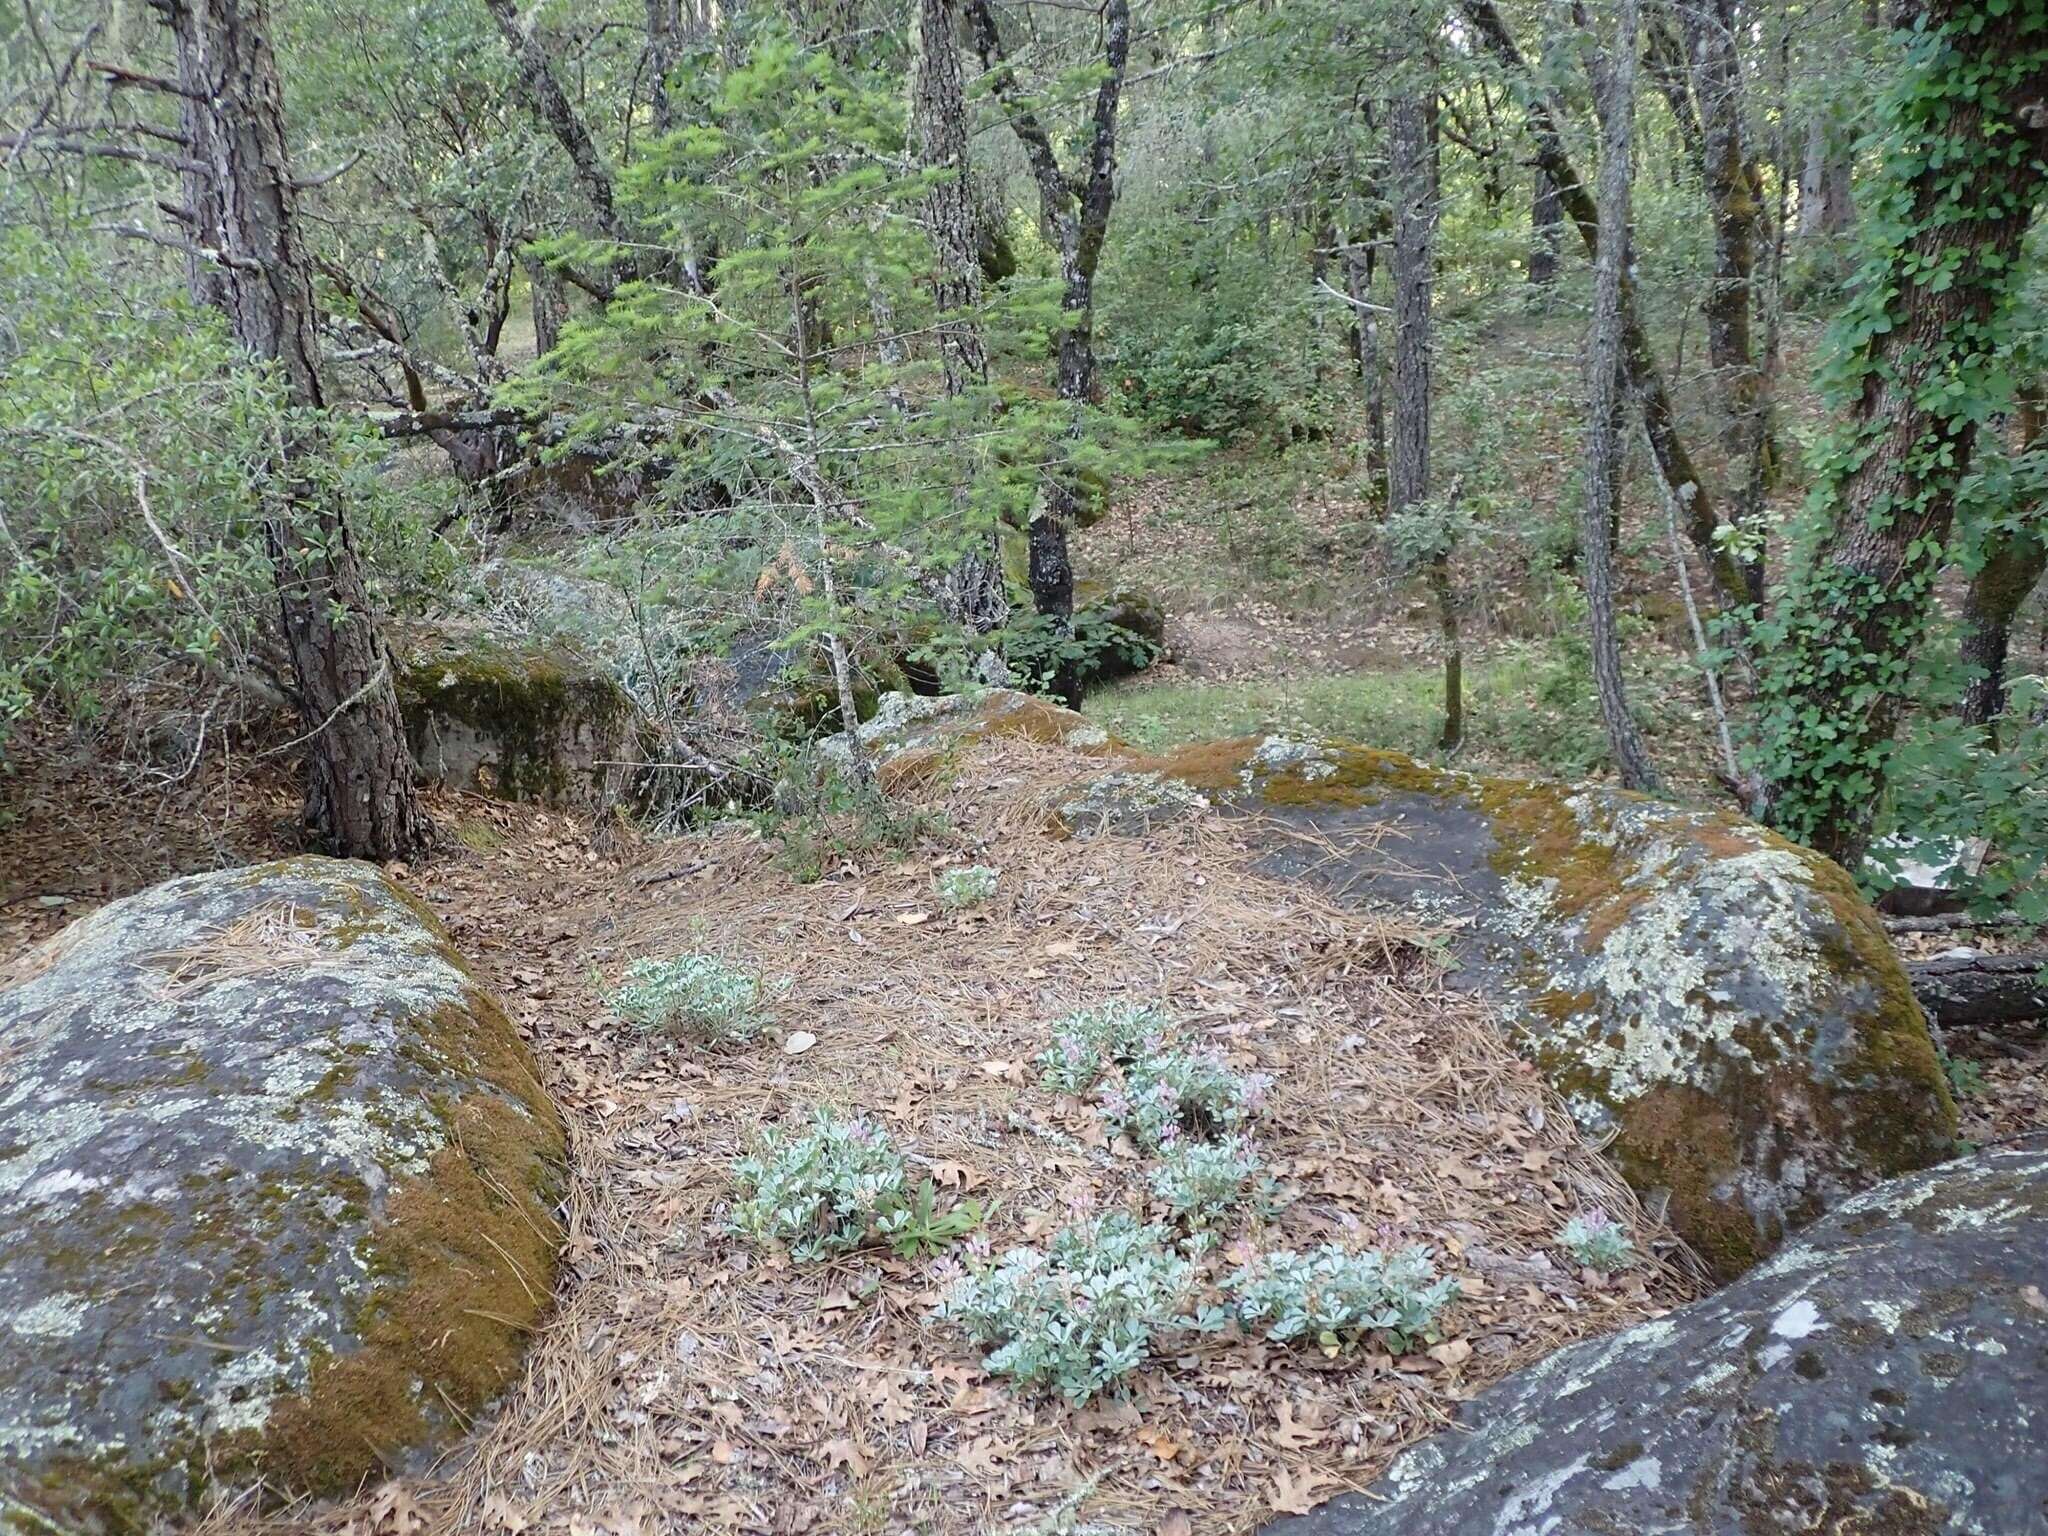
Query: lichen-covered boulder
[
  {"x": 277, "y": 1197},
  {"x": 910, "y": 735},
  {"x": 518, "y": 721},
  {"x": 1886, "y": 1373},
  {"x": 1722, "y": 1002}
]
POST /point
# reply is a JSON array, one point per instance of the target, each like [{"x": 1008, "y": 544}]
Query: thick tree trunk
[
  {"x": 1827, "y": 207},
  {"x": 973, "y": 590},
  {"x": 1075, "y": 209},
  {"x": 360, "y": 797},
  {"x": 1645, "y": 377},
  {"x": 939, "y": 128},
  {"x": 1606, "y": 410},
  {"x": 1965, "y": 174}
]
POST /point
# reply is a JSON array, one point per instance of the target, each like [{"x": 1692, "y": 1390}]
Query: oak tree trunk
[
  {"x": 360, "y": 797},
  {"x": 1607, "y": 407}
]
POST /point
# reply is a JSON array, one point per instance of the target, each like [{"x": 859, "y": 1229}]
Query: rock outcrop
[
  {"x": 1719, "y": 1001},
  {"x": 277, "y": 1195},
  {"x": 518, "y": 721},
  {"x": 1886, "y": 1373}
]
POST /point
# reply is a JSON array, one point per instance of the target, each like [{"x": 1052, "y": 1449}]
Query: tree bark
[
  {"x": 1606, "y": 411},
  {"x": 1411, "y": 163},
  {"x": 972, "y": 592},
  {"x": 1982, "y": 989},
  {"x": 2014, "y": 562},
  {"x": 1735, "y": 194},
  {"x": 1827, "y": 206},
  {"x": 1644, "y": 375},
  {"x": 1076, "y": 210},
  {"x": 1546, "y": 230},
  {"x": 1359, "y": 262},
  {"x": 1964, "y": 175},
  {"x": 360, "y": 797}
]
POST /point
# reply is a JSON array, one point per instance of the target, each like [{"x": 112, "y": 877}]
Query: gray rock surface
[
  {"x": 518, "y": 720},
  {"x": 1886, "y": 1374},
  {"x": 277, "y": 1190}
]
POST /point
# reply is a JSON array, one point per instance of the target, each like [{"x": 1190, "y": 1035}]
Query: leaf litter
[{"x": 689, "y": 1380}]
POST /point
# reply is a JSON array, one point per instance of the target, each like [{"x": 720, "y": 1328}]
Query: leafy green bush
[
  {"x": 1594, "y": 1240},
  {"x": 965, "y": 887},
  {"x": 1200, "y": 1181},
  {"x": 823, "y": 1191},
  {"x": 1215, "y": 342},
  {"x": 697, "y": 994},
  {"x": 1170, "y": 1094},
  {"x": 1089, "y": 1040},
  {"x": 1337, "y": 1298},
  {"x": 1080, "y": 1316}
]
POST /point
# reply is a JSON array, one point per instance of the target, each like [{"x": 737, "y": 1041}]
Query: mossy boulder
[
  {"x": 1719, "y": 1001},
  {"x": 277, "y": 1198},
  {"x": 1125, "y": 631},
  {"x": 911, "y": 736},
  {"x": 520, "y": 721},
  {"x": 1886, "y": 1373}
]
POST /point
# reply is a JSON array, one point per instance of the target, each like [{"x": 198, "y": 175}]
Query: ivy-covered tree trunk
[
  {"x": 1076, "y": 210},
  {"x": 1606, "y": 407},
  {"x": 1962, "y": 173},
  {"x": 250, "y": 264}
]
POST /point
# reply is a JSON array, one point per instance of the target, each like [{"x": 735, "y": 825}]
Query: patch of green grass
[{"x": 1528, "y": 707}]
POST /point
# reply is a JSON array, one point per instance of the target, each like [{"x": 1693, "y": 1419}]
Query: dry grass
[
  {"x": 277, "y": 936},
  {"x": 691, "y": 1381}
]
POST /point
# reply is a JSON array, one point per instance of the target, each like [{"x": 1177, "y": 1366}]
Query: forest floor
[{"x": 688, "y": 1375}]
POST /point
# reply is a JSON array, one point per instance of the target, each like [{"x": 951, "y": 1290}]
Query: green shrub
[
  {"x": 823, "y": 1191},
  {"x": 1200, "y": 1181},
  {"x": 1596, "y": 1242},
  {"x": 1337, "y": 1298},
  {"x": 1080, "y": 1316},
  {"x": 1089, "y": 1040},
  {"x": 967, "y": 887},
  {"x": 696, "y": 994}
]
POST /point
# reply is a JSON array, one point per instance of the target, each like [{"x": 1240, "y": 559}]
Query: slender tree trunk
[
  {"x": 1735, "y": 193},
  {"x": 1546, "y": 231},
  {"x": 360, "y": 797},
  {"x": 550, "y": 307},
  {"x": 1645, "y": 377},
  {"x": 1964, "y": 174},
  {"x": 1604, "y": 435},
  {"x": 1359, "y": 264},
  {"x": 1411, "y": 161}
]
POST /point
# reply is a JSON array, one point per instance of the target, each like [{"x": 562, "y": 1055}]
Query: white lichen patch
[
  {"x": 1119, "y": 799},
  {"x": 53, "y": 1317},
  {"x": 1281, "y": 754}
]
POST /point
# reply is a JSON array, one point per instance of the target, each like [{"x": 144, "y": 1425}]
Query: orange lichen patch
[
  {"x": 1213, "y": 766},
  {"x": 465, "y": 1260},
  {"x": 1022, "y": 717}
]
